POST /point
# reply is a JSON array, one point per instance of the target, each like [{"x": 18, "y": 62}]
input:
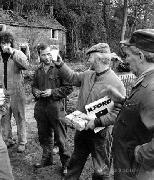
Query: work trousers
[
  {"x": 17, "y": 108},
  {"x": 5, "y": 167},
  {"x": 49, "y": 116},
  {"x": 85, "y": 143}
]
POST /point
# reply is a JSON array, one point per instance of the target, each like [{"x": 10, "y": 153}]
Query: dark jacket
[
  {"x": 135, "y": 126},
  {"x": 51, "y": 80}
]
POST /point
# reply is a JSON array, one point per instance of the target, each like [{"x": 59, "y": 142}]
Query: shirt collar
[
  {"x": 42, "y": 66},
  {"x": 142, "y": 76}
]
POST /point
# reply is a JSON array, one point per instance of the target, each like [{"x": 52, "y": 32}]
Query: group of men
[{"x": 124, "y": 147}]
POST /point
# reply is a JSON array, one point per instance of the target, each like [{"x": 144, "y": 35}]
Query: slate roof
[{"x": 9, "y": 17}]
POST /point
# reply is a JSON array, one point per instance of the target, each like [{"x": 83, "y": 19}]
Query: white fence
[{"x": 128, "y": 80}]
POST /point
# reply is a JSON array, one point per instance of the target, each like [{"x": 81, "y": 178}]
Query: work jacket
[
  {"x": 134, "y": 127},
  {"x": 60, "y": 90}
]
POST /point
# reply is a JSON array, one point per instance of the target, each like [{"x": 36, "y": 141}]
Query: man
[
  {"x": 49, "y": 90},
  {"x": 133, "y": 148},
  {"x": 91, "y": 83},
  {"x": 5, "y": 166},
  {"x": 14, "y": 62}
]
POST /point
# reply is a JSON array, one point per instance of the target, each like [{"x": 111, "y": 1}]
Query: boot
[{"x": 47, "y": 158}]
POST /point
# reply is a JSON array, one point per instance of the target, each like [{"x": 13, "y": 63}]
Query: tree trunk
[
  {"x": 145, "y": 17},
  {"x": 106, "y": 11},
  {"x": 124, "y": 20}
]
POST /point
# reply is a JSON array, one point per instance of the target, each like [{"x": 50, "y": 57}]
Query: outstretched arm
[
  {"x": 20, "y": 59},
  {"x": 68, "y": 74}
]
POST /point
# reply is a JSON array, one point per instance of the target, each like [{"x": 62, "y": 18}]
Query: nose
[{"x": 47, "y": 56}]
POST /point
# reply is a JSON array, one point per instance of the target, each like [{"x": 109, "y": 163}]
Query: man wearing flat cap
[
  {"x": 133, "y": 132},
  {"x": 91, "y": 83}
]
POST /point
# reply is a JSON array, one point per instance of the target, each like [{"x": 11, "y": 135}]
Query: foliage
[{"x": 90, "y": 21}]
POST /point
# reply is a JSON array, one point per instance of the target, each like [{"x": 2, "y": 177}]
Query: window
[
  {"x": 2, "y": 27},
  {"x": 54, "y": 34}
]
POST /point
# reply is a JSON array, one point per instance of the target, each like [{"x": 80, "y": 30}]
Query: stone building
[{"x": 32, "y": 32}]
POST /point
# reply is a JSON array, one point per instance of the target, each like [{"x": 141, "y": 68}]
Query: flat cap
[
  {"x": 142, "y": 39},
  {"x": 100, "y": 47}
]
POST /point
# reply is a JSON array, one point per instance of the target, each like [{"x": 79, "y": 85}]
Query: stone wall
[{"x": 34, "y": 36}]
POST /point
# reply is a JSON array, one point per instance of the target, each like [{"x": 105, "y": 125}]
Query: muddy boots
[{"x": 47, "y": 158}]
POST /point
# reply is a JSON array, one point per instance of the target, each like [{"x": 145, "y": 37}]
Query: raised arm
[
  {"x": 20, "y": 59},
  {"x": 68, "y": 74}
]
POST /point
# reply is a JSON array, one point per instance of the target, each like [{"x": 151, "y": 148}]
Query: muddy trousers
[
  {"x": 17, "y": 108},
  {"x": 84, "y": 144},
  {"x": 5, "y": 167},
  {"x": 47, "y": 123}
]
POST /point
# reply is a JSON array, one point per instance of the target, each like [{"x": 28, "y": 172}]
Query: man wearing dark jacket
[
  {"x": 49, "y": 90},
  {"x": 133, "y": 143}
]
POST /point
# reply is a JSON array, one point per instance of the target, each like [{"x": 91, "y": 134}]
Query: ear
[{"x": 141, "y": 57}]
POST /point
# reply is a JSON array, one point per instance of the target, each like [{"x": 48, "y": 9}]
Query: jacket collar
[
  {"x": 141, "y": 78},
  {"x": 41, "y": 66}
]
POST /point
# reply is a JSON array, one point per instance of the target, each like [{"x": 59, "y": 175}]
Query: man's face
[
  {"x": 45, "y": 56},
  {"x": 91, "y": 61},
  {"x": 5, "y": 46},
  {"x": 133, "y": 60}
]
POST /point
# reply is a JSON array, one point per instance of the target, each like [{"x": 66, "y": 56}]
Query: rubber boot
[{"x": 47, "y": 158}]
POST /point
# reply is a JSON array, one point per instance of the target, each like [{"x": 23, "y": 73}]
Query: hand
[
  {"x": 59, "y": 60},
  {"x": 118, "y": 105},
  {"x": 46, "y": 93},
  {"x": 8, "y": 49},
  {"x": 90, "y": 124},
  {"x": 37, "y": 93}
]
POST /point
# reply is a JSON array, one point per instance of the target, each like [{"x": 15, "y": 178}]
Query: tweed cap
[
  {"x": 142, "y": 39},
  {"x": 100, "y": 47}
]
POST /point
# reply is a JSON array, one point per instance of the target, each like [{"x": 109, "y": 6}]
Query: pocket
[{"x": 55, "y": 80}]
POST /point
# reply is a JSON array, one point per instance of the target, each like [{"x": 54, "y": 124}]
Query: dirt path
[{"x": 23, "y": 163}]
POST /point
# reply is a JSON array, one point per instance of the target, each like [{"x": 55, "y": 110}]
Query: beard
[{"x": 45, "y": 61}]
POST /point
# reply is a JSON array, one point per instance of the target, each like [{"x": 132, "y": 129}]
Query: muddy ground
[{"x": 22, "y": 164}]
